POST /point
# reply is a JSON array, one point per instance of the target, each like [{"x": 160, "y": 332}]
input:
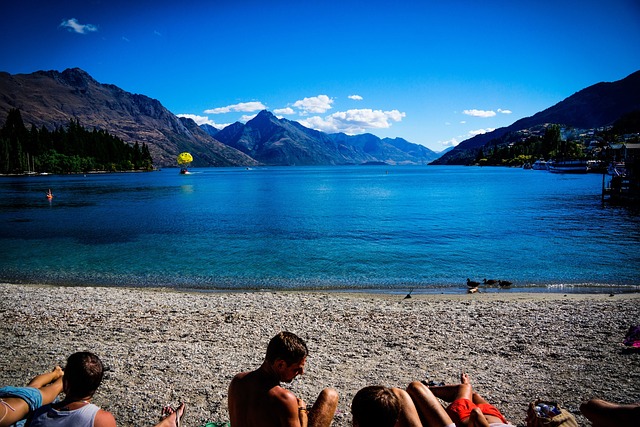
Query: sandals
[{"x": 167, "y": 411}]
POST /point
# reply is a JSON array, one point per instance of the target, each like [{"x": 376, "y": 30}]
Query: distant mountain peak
[
  {"x": 75, "y": 77},
  {"x": 265, "y": 113},
  {"x": 284, "y": 142},
  {"x": 262, "y": 118}
]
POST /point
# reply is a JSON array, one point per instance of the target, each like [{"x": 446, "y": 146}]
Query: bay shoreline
[{"x": 163, "y": 345}]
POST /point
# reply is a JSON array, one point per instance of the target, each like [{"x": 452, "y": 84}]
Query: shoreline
[
  {"x": 341, "y": 288},
  {"x": 164, "y": 345}
]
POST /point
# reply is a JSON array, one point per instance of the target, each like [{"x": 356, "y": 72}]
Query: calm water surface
[{"x": 384, "y": 228}]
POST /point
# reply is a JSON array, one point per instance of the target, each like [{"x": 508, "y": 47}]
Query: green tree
[
  {"x": 551, "y": 141},
  {"x": 66, "y": 150}
]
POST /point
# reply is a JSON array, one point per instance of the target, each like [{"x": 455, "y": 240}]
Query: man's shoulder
[
  {"x": 282, "y": 395},
  {"x": 240, "y": 376},
  {"x": 104, "y": 419}
]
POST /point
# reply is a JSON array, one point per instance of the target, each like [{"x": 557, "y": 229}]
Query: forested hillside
[{"x": 65, "y": 150}]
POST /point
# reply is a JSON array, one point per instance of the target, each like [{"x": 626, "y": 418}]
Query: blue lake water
[{"x": 360, "y": 227}]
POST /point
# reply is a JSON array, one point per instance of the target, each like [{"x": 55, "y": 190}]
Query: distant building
[{"x": 624, "y": 187}]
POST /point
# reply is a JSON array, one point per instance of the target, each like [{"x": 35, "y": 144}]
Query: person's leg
[
  {"x": 477, "y": 419},
  {"x": 12, "y": 410},
  {"x": 42, "y": 380},
  {"x": 171, "y": 417},
  {"x": 51, "y": 391},
  {"x": 429, "y": 408},
  {"x": 606, "y": 414},
  {"x": 323, "y": 410},
  {"x": 490, "y": 412},
  {"x": 15, "y": 408},
  {"x": 451, "y": 392},
  {"x": 408, "y": 416},
  {"x": 461, "y": 398}
]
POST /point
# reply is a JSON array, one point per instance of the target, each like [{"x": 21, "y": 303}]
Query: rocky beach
[{"x": 164, "y": 346}]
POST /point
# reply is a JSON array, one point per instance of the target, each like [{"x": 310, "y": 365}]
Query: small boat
[
  {"x": 49, "y": 194},
  {"x": 184, "y": 171},
  {"x": 568, "y": 166},
  {"x": 596, "y": 166},
  {"x": 540, "y": 165}
]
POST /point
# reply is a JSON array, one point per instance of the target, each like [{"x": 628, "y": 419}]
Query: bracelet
[{"x": 302, "y": 409}]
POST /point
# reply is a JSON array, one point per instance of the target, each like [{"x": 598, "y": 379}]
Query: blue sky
[{"x": 432, "y": 72}]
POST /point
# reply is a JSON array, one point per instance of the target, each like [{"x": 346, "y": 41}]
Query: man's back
[{"x": 256, "y": 401}]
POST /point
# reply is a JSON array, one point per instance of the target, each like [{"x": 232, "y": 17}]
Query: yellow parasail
[{"x": 184, "y": 158}]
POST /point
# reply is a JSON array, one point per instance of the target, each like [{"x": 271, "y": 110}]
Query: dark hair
[
  {"x": 288, "y": 347},
  {"x": 83, "y": 373},
  {"x": 375, "y": 406}
]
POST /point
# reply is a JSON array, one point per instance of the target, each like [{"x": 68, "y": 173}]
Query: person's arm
[
  {"x": 289, "y": 412},
  {"x": 303, "y": 414},
  {"x": 104, "y": 419}
]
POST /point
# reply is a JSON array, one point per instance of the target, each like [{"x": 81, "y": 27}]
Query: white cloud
[
  {"x": 355, "y": 97},
  {"x": 157, "y": 33},
  {"x": 74, "y": 26},
  {"x": 246, "y": 117},
  {"x": 479, "y": 113},
  {"x": 318, "y": 123},
  {"x": 125, "y": 39},
  {"x": 316, "y": 104},
  {"x": 462, "y": 122},
  {"x": 354, "y": 121},
  {"x": 283, "y": 111},
  {"x": 500, "y": 110},
  {"x": 245, "y": 107},
  {"x": 480, "y": 131},
  {"x": 202, "y": 120},
  {"x": 450, "y": 143}
]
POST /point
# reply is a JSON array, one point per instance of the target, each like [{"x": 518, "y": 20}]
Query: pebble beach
[{"x": 163, "y": 346}]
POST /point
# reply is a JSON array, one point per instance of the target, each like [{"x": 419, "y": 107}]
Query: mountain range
[
  {"x": 51, "y": 99},
  {"x": 275, "y": 141},
  {"x": 595, "y": 106}
]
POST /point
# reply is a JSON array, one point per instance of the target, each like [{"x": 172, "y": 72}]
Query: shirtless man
[{"x": 256, "y": 398}]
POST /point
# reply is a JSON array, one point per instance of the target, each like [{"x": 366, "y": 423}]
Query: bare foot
[
  {"x": 57, "y": 372},
  {"x": 171, "y": 417},
  {"x": 464, "y": 378}
]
